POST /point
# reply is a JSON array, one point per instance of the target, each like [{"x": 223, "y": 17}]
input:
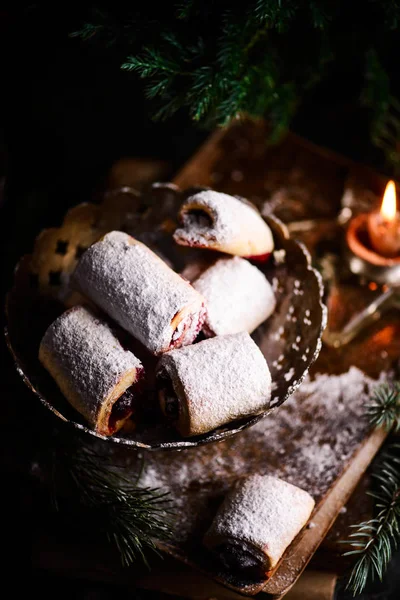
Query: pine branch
[
  {"x": 131, "y": 517},
  {"x": 151, "y": 63},
  {"x": 184, "y": 9},
  {"x": 374, "y": 541},
  {"x": 383, "y": 410},
  {"x": 262, "y": 58},
  {"x": 87, "y": 31},
  {"x": 101, "y": 24},
  {"x": 275, "y": 13},
  {"x": 203, "y": 92}
]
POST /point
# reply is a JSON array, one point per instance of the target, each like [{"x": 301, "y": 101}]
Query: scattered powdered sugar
[
  {"x": 86, "y": 360},
  {"x": 216, "y": 220},
  {"x": 307, "y": 442},
  {"x": 262, "y": 512},
  {"x": 217, "y": 381},
  {"x": 139, "y": 291},
  {"x": 280, "y": 256},
  {"x": 238, "y": 296}
]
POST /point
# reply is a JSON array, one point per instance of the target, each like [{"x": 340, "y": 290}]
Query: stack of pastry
[{"x": 201, "y": 385}]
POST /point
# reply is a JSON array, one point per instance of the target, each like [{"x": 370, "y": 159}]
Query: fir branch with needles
[
  {"x": 383, "y": 410},
  {"x": 129, "y": 516},
  {"x": 373, "y": 542},
  {"x": 219, "y": 60}
]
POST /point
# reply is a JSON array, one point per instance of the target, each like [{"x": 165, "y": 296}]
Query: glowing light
[{"x": 389, "y": 204}]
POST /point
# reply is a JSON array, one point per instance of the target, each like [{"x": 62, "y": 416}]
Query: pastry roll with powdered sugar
[
  {"x": 213, "y": 382},
  {"x": 140, "y": 292},
  {"x": 94, "y": 372},
  {"x": 221, "y": 222},
  {"x": 256, "y": 522},
  {"x": 238, "y": 295}
]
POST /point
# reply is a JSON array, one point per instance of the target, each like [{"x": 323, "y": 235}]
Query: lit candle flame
[{"x": 389, "y": 205}]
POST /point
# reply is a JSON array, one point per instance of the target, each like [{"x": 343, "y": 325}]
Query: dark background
[{"x": 68, "y": 113}]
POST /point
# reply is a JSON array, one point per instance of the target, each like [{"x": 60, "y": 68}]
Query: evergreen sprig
[
  {"x": 383, "y": 410},
  {"x": 374, "y": 541},
  {"x": 131, "y": 517},
  {"x": 220, "y": 60}
]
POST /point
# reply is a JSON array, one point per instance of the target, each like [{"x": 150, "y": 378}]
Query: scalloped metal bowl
[{"x": 290, "y": 339}]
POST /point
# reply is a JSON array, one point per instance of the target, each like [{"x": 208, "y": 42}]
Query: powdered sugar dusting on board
[
  {"x": 138, "y": 290},
  {"x": 307, "y": 442},
  {"x": 239, "y": 297}
]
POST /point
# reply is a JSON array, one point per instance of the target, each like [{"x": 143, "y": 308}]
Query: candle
[{"x": 384, "y": 225}]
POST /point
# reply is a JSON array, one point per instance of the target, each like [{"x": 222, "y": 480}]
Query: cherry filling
[
  {"x": 121, "y": 409},
  {"x": 169, "y": 401},
  {"x": 238, "y": 557},
  {"x": 124, "y": 406},
  {"x": 259, "y": 257},
  {"x": 198, "y": 217},
  {"x": 208, "y": 332},
  {"x": 188, "y": 329}
]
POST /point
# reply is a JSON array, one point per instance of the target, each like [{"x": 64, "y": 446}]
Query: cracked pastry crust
[
  {"x": 256, "y": 522},
  {"x": 217, "y": 221},
  {"x": 94, "y": 372},
  {"x": 140, "y": 292},
  {"x": 238, "y": 295},
  {"x": 213, "y": 382}
]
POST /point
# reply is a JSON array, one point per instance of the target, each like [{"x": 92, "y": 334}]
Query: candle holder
[{"x": 365, "y": 262}]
